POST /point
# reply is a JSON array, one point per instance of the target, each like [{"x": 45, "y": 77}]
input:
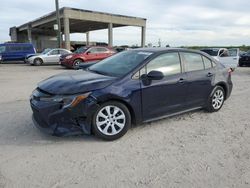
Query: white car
[
  {"x": 228, "y": 57},
  {"x": 48, "y": 56}
]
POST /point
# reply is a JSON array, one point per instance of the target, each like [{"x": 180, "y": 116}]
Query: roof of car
[{"x": 154, "y": 50}]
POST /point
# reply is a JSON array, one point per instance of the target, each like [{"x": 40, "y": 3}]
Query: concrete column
[
  {"x": 87, "y": 38},
  {"x": 143, "y": 36},
  {"x": 66, "y": 32},
  {"x": 110, "y": 34},
  {"x": 29, "y": 33}
]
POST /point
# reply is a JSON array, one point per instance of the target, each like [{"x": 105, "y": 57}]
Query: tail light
[{"x": 230, "y": 71}]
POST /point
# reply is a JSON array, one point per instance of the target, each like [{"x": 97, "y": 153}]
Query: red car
[{"x": 86, "y": 54}]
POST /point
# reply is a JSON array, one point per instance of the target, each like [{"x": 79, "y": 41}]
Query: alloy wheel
[
  {"x": 218, "y": 99},
  {"x": 110, "y": 120}
]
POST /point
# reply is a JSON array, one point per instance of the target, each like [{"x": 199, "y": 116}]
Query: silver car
[{"x": 48, "y": 56}]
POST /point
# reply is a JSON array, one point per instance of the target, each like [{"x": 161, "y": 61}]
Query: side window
[
  {"x": 2, "y": 49},
  {"x": 207, "y": 62},
  {"x": 168, "y": 64},
  {"x": 93, "y": 50},
  {"x": 193, "y": 61},
  {"x": 63, "y": 52},
  {"x": 54, "y": 52},
  {"x": 102, "y": 50},
  {"x": 15, "y": 48}
]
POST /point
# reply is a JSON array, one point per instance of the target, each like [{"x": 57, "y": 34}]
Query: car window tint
[
  {"x": 102, "y": 50},
  {"x": 93, "y": 50},
  {"x": 193, "y": 61},
  {"x": 168, "y": 64},
  {"x": 63, "y": 52},
  {"x": 207, "y": 62},
  {"x": 2, "y": 49},
  {"x": 15, "y": 48},
  {"x": 54, "y": 52}
]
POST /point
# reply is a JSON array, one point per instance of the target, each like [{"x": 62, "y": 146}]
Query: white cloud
[{"x": 174, "y": 22}]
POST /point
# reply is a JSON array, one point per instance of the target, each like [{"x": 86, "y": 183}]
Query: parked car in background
[
  {"x": 48, "y": 56},
  {"x": 15, "y": 51},
  {"x": 245, "y": 59},
  {"x": 85, "y": 54},
  {"x": 129, "y": 88},
  {"x": 228, "y": 57}
]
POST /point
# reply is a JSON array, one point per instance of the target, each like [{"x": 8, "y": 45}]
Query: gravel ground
[{"x": 196, "y": 149}]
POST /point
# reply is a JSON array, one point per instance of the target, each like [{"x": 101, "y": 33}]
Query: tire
[
  {"x": 216, "y": 99},
  {"x": 111, "y": 121},
  {"x": 76, "y": 63},
  {"x": 38, "y": 62}
]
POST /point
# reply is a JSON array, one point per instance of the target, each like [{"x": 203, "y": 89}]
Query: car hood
[{"x": 75, "y": 82}]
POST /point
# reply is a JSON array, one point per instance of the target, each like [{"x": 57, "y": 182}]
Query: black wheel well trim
[
  {"x": 224, "y": 86},
  {"x": 130, "y": 109},
  {"x": 79, "y": 59}
]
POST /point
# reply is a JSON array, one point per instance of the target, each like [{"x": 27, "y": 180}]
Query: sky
[{"x": 177, "y": 23}]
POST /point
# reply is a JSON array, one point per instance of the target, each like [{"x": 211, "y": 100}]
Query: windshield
[
  {"x": 212, "y": 52},
  {"x": 46, "y": 51},
  {"x": 2, "y": 49},
  {"x": 81, "y": 50},
  {"x": 120, "y": 64}
]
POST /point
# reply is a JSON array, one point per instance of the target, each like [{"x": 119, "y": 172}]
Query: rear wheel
[
  {"x": 111, "y": 121},
  {"x": 38, "y": 61},
  {"x": 76, "y": 63},
  {"x": 216, "y": 99}
]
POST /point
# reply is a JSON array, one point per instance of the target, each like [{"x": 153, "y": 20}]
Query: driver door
[{"x": 166, "y": 96}]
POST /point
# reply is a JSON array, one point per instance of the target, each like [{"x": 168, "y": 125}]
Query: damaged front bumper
[{"x": 52, "y": 118}]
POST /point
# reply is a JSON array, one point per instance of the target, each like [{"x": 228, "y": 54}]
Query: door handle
[
  {"x": 181, "y": 80},
  {"x": 209, "y": 74}
]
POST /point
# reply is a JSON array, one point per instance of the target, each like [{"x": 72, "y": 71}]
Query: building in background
[{"x": 41, "y": 31}]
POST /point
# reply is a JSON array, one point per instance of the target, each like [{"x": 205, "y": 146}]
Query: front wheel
[
  {"x": 111, "y": 121},
  {"x": 38, "y": 62},
  {"x": 216, "y": 99},
  {"x": 76, "y": 63}
]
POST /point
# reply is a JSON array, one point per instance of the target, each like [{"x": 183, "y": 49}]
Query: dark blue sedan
[{"x": 130, "y": 88}]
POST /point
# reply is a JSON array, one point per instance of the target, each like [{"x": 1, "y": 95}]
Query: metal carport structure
[{"x": 76, "y": 21}]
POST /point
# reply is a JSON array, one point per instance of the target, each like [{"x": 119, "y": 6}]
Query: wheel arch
[
  {"x": 42, "y": 61},
  {"x": 131, "y": 111},
  {"x": 224, "y": 86}
]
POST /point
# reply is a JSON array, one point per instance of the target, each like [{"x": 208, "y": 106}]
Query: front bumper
[
  {"x": 52, "y": 119},
  {"x": 66, "y": 63}
]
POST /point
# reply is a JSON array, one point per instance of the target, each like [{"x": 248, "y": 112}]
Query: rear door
[
  {"x": 200, "y": 74},
  {"x": 103, "y": 53},
  {"x": 166, "y": 96},
  {"x": 91, "y": 54}
]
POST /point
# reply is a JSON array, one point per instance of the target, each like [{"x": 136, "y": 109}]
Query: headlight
[
  {"x": 66, "y": 100},
  {"x": 0, "y": 57},
  {"x": 69, "y": 56}
]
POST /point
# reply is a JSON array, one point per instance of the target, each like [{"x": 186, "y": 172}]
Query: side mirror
[
  {"x": 155, "y": 75},
  {"x": 88, "y": 53}
]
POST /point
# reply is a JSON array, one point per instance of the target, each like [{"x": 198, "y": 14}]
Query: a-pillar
[
  {"x": 110, "y": 33},
  {"x": 143, "y": 36},
  {"x": 87, "y": 38},
  {"x": 66, "y": 32}
]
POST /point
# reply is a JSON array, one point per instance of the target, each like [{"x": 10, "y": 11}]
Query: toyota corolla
[{"x": 129, "y": 88}]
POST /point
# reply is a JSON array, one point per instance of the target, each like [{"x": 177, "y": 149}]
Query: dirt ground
[{"x": 196, "y": 149}]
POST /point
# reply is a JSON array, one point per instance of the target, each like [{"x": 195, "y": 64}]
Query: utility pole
[{"x": 59, "y": 39}]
